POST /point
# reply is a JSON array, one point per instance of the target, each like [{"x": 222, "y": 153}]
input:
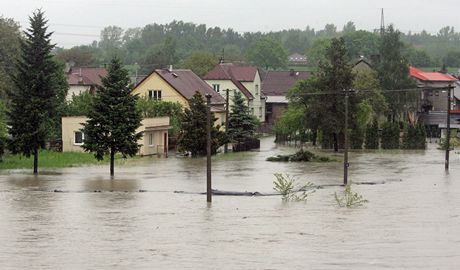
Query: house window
[
  {"x": 260, "y": 111},
  {"x": 216, "y": 87},
  {"x": 151, "y": 139},
  {"x": 155, "y": 94},
  {"x": 78, "y": 138},
  {"x": 257, "y": 89}
]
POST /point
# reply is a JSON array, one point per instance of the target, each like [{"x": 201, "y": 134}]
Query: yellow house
[
  {"x": 179, "y": 85},
  {"x": 154, "y": 140}
]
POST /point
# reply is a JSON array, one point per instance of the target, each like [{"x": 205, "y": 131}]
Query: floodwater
[{"x": 412, "y": 220}]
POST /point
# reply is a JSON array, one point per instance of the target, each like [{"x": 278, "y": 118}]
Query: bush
[
  {"x": 289, "y": 189},
  {"x": 300, "y": 155},
  {"x": 349, "y": 199},
  {"x": 414, "y": 137},
  {"x": 390, "y": 135},
  {"x": 372, "y": 135}
]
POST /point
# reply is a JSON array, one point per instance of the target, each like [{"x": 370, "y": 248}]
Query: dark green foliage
[
  {"x": 452, "y": 59},
  {"x": 192, "y": 134},
  {"x": 113, "y": 119},
  {"x": 301, "y": 155},
  {"x": 393, "y": 71},
  {"x": 414, "y": 137},
  {"x": 3, "y": 129},
  {"x": 80, "y": 105},
  {"x": 201, "y": 62},
  {"x": 372, "y": 135},
  {"x": 268, "y": 53},
  {"x": 356, "y": 138},
  {"x": 241, "y": 124},
  {"x": 155, "y": 108},
  {"x": 9, "y": 51},
  {"x": 390, "y": 135},
  {"x": 34, "y": 99}
]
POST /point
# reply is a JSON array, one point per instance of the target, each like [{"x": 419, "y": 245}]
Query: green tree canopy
[
  {"x": 268, "y": 53},
  {"x": 113, "y": 119},
  {"x": 201, "y": 62},
  {"x": 33, "y": 101},
  {"x": 241, "y": 124},
  {"x": 192, "y": 135},
  {"x": 10, "y": 37}
]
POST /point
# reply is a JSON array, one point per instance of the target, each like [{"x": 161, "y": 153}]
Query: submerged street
[{"x": 137, "y": 220}]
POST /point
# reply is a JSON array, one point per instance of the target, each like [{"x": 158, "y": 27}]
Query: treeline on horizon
[{"x": 157, "y": 45}]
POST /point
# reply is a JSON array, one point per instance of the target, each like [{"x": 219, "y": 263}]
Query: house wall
[
  {"x": 157, "y": 127},
  {"x": 76, "y": 90},
  {"x": 438, "y": 98},
  {"x": 277, "y": 110},
  {"x": 155, "y": 82}
]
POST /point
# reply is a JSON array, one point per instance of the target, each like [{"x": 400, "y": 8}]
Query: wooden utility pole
[
  {"x": 208, "y": 149},
  {"x": 226, "y": 118},
  {"x": 345, "y": 155},
  {"x": 449, "y": 89}
]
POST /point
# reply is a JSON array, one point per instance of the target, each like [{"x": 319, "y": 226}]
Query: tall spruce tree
[
  {"x": 241, "y": 124},
  {"x": 192, "y": 134},
  {"x": 113, "y": 118},
  {"x": 33, "y": 101}
]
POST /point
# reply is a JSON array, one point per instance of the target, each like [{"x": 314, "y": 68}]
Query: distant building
[
  {"x": 245, "y": 79},
  {"x": 154, "y": 140},
  {"x": 84, "y": 79},
  {"x": 297, "y": 59},
  {"x": 433, "y": 97},
  {"x": 362, "y": 65},
  {"x": 275, "y": 87}
]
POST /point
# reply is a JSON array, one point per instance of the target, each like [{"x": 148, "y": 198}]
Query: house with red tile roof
[
  {"x": 179, "y": 85},
  {"x": 84, "y": 79},
  {"x": 434, "y": 97},
  {"x": 242, "y": 78},
  {"x": 275, "y": 86}
]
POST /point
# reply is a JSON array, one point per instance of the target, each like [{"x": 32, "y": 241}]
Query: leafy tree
[
  {"x": 316, "y": 53},
  {"x": 3, "y": 129},
  {"x": 155, "y": 108},
  {"x": 10, "y": 37},
  {"x": 241, "y": 124},
  {"x": 393, "y": 71},
  {"x": 113, "y": 119},
  {"x": 372, "y": 135},
  {"x": 160, "y": 56},
  {"x": 390, "y": 135},
  {"x": 201, "y": 62},
  {"x": 361, "y": 43},
  {"x": 414, "y": 137},
  {"x": 291, "y": 123},
  {"x": 192, "y": 135},
  {"x": 80, "y": 105},
  {"x": 33, "y": 101},
  {"x": 418, "y": 57},
  {"x": 268, "y": 53},
  {"x": 452, "y": 59},
  {"x": 349, "y": 28},
  {"x": 81, "y": 55}
]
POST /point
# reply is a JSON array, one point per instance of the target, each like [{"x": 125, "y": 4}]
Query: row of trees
[
  {"x": 158, "y": 45},
  {"x": 317, "y": 104}
]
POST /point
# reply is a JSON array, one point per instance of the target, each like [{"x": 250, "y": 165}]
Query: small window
[
  {"x": 155, "y": 94},
  {"x": 257, "y": 89},
  {"x": 151, "y": 139},
  {"x": 260, "y": 111},
  {"x": 216, "y": 87},
  {"x": 78, "y": 137}
]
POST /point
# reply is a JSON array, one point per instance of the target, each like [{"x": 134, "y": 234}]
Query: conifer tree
[
  {"x": 241, "y": 124},
  {"x": 192, "y": 134},
  {"x": 113, "y": 118},
  {"x": 33, "y": 101}
]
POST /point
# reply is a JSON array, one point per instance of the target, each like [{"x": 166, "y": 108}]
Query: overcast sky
[{"x": 78, "y": 22}]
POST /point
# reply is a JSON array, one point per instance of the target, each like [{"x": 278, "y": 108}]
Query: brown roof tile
[
  {"x": 278, "y": 83},
  {"x": 86, "y": 76},
  {"x": 237, "y": 74}
]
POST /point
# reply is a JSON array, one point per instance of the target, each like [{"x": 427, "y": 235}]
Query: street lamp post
[{"x": 208, "y": 149}]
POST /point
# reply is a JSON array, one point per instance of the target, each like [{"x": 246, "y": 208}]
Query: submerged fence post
[
  {"x": 446, "y": 165},
  {"x": 345, "y": 155},
  {"x": 208, "y": 149},
  {"x": 226, "y": 119}
]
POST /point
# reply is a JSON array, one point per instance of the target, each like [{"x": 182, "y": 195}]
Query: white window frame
[
  {"x": 216, "y": 87},
  {"x": 82, "y": 138},
  {"x": 257, "y": 89},
  {"x": 155, "y": 94}
]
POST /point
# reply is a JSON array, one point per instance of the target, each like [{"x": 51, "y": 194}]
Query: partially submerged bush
[
  {"x": 301, "y": 155},
  {"x": 349, "y": 199},
  {"x": 290, "y": 189}
]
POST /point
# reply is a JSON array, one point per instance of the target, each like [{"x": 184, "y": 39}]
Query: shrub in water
[
  {"x": 290, "y": 189},
  {"x": 349, "y": 199}
]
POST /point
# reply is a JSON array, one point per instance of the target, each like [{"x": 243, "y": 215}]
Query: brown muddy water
[{"x": 412, "y": 221}]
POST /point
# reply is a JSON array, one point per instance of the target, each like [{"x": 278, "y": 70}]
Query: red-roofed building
[
  {"x": 434, "y": 96},
  {"x": 245, "y": 79},
  {"x": 84, "y": 79},
  {"x": 275, "y": 86}
]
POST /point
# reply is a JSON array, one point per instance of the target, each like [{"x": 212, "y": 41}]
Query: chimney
[
  {"x": 80, "y": 78},
  {"x": 170, "y": 68}
]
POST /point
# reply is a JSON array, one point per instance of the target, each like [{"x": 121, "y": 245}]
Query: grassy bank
[{"x": 51, "y": 159}]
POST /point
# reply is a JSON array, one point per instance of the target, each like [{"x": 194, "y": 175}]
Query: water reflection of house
[
  {"x": 154, "y": 140},
  {"x": 275, "y": 87},
  {"x": 433, "y": 96},
  {"x": 179, "y": 85},
  {"x": 83, "y": 79},
  {"x": 245, "y": 79}
]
